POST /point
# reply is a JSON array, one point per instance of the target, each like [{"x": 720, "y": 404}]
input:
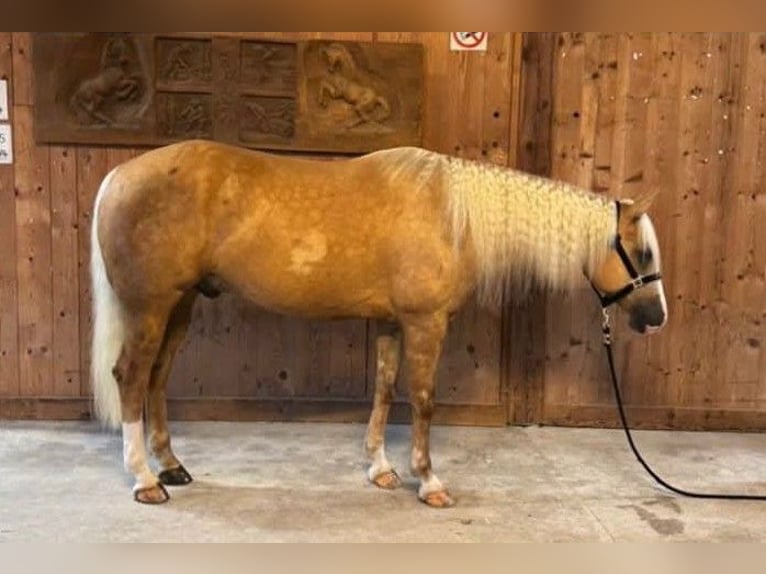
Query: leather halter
[{"x": 636, "y": 279}]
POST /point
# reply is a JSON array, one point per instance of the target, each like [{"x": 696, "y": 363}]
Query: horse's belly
[
  {"x": 299, "y": 283},
  {"x": 313, "y": 297}
]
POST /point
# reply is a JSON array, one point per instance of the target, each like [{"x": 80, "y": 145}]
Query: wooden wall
[
  {"x": 682, "y": 114},
  {"x": 238, "y": 362}
]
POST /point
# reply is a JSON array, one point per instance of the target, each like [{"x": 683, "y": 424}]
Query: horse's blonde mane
[{"x": 525, "y": 229}]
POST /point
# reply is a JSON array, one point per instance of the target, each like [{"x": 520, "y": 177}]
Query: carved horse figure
[
  {"x": 113, "y": 80},
  {"x": 403, "y": 235},
  {"x": 341, "y": 82}
]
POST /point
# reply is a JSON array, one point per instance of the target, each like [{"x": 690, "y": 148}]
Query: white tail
[{"x": 108, "y": 329}]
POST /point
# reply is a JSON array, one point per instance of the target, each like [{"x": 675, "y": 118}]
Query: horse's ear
[{"x": 640, "y": 205}]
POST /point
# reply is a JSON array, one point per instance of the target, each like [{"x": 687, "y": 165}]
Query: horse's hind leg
[
  {"x": 172, "y": 471},
  {"x": 423, "y": 337},
  {"x": 144, "y": 335},
  {"x": 381, "y": 472}
]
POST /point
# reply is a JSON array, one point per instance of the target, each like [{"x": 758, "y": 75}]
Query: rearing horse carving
[
  {"x": 113, "y": 81},
  {"x": 341, "y": 82},
  {"x": 402, "y": 235}
]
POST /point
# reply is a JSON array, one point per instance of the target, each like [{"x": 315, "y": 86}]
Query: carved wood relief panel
[{"x": 152, "y": 89}]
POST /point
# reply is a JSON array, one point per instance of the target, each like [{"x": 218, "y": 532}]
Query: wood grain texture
[
  {"x": 33, "y": 258},
  {"x": 66, "y": 276},
  {"x": 9, "y": 332},
  {"x": 682, "y": 114},
  {"x": 23, "y": 94}
]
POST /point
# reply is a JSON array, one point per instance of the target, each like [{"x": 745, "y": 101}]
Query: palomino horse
[{"x": 404, "y": 234}]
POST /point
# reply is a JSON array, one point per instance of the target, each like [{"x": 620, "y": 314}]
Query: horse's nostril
[{"x": 656, "y": 318}]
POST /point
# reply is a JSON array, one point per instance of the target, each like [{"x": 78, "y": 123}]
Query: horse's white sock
[
  {"x": 429, "y": 485},
  {"x": 134, "y": 455},
  {"x": 379, "y": 464}
]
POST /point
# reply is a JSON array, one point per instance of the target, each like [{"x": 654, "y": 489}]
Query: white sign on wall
[
  {"x": 3, "y": 99},
  {"x": 468, "y": 41},
  {"x": 6, "y": 145}
]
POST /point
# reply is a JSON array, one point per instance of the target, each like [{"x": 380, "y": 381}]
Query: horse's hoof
[
  {"x": 178, "y": 476},
  {"x": 438, "y": 499},
  {"x": 387, "y": 480},
  {"x": 151, "y": 494}
]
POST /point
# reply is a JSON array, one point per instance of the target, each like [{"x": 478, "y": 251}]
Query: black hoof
[{"x": 175, "y": 476}]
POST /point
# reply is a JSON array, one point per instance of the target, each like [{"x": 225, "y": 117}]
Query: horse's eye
[{"x": 644, "y": 257}]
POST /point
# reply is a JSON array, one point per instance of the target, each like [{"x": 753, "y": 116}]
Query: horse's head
[{"x": 630, "y": 274}]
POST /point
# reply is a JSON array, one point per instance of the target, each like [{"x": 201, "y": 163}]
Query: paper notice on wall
[
  {"x": 3, "y": 100},
  {"x": 6, "y": 144}
]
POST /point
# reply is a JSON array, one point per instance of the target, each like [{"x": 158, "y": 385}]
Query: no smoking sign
[{"x": 468, "y": 41}]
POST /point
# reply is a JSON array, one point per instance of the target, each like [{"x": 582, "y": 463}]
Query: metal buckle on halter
[{"x": 637, "y": 282}]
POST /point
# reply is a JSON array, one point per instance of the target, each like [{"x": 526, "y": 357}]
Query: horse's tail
[{"x": 108, "y": 329}]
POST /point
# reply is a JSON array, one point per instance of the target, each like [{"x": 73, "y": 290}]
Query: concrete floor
[{"x": 306, "y": 482}]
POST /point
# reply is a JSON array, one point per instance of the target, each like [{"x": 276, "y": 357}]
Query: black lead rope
[{"x": 623, "y": 419}]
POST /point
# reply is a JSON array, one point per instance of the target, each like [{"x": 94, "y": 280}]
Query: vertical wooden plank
[
  {"x": 498, "y": 98},
  {"x": 66, "y": 280},
  {"x": 562, "y": 367},
  {"x": 33, "y": 240},
  {"x": 517, "y": 97},
  {"x": 524, "y": 334},
  {"x": 438, "y": 85},
  {"x": 23, "y": 94},
  {"x": 695, "y": 108},
  {"x": 743, "y": 277},
  {"x": 9, "y": 360},
  {"x": 756, "y": 42},
  {"x": 466, "y": 93},
  {"x": 661, "y": 175},
  {"x": 92, "y": 167},
  {"x": 33, "y": 262},
  {"x": 721, "y": 90}
]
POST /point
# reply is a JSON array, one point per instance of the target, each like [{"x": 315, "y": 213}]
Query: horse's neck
[{"x": 527, "y": 229}]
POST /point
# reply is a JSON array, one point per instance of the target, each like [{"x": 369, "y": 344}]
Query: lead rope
[{"x": 607, "y": 332}]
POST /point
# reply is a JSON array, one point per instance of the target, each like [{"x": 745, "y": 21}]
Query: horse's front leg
[
  {"x": 423, "y": 337},
  {"x": 381, "y": 473}
]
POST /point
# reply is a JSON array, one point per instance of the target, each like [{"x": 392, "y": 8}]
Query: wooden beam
[
  {"x": 242, "y": 409},
  {"x": 657, "y": 418}
]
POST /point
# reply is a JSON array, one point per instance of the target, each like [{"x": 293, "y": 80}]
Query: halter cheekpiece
[{"x": 636, "y": 279}]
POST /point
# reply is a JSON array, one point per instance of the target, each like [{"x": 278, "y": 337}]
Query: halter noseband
[{"x": 636, "y": 280}]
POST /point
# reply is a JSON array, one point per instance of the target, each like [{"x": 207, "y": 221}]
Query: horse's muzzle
[{"x": 647, "y": 318}]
